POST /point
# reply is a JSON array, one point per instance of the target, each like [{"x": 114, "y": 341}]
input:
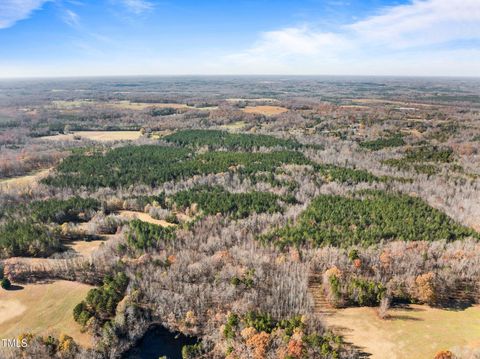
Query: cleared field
[
  {"x": 251, "y": 100},
  {"x": 265, "y": 110},
  {"x": 86, "y": 249},
  {"x": 101, "y": 136},
  {"x": 127, "y": 105},
  {"x": 23, "y": 182},
  {"x": 69, "y": 105},
  {"x": 354, "y": 106},
  {"x": 417, "y": 331},
  {"x": 145, "y": 218},
  {"x": 123, "y": 105},
  {"x": 235, "y": 126},
  {"x": 43, "y": 309},
  {"x": 390, "y": 102}
]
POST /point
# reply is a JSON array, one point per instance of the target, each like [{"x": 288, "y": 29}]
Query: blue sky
[{"x": 175, "y": 37}]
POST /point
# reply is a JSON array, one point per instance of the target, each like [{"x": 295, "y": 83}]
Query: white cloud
[
  {"x": 12, "y": 11},
  {"x": 138, "y": 6},
  {"x": 298, "y": 41},
  {"x": 423, "y": 29},
  {"x": 422, "y": 23},
  {"x": 71, "y": 18}
]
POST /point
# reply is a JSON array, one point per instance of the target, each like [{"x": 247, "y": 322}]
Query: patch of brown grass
[
  {"x": 145, "y": 218},
  {"x": 417, "y": 331},
  {"x": 43, "y": 309},
  {"x": 23, "y": 182},
  {"x": 100, "y": 136},
  {"x": 265, "y": 110}
]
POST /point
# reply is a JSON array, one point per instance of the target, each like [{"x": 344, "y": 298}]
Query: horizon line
[{"x": 71, "y": 77}]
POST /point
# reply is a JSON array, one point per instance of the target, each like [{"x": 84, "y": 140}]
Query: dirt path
[{"x": 321, "y": 305}]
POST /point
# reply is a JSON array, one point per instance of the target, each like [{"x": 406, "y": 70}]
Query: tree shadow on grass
[
  {"x": 403, "y": 317},
  {"x": 15, "y": 287},
  {"x": 455, "y": 306},
  {"x": 407, "y": 307}
]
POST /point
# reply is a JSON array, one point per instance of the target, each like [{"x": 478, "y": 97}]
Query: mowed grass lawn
[
  {"x": 417, "y": 331},
  {"x": 43, "y": 309}
]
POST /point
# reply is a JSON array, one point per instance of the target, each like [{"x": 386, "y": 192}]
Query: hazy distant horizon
[{"x": 240, "y": 76}]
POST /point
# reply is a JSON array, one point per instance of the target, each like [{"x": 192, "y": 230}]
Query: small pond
[{"x": 158, "y": 342}]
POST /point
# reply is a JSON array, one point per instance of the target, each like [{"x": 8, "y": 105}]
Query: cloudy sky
[{"x": 176, "y": 37}]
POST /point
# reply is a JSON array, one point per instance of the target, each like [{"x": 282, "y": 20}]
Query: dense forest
[
  {"x": 368, "y": 218},
  {"x": 213, "y": 200},
  {"x": 154, "y": 165},
  {"x": 24, "y": 238},
  {"x": 31, "y": 229},
  {"x": 227, "y": 140}
]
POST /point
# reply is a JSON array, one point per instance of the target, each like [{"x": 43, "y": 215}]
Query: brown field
[
  {"x": 86, "y": 249},
  {"x": 145, "y": 218},
  {"x": 417, "y": 331},
  {"x": 100, "y": 136},
  {"x": 43, "y": 309},
  {"x": 265, "y": 110},
  {"x": 23, "y": 182}
]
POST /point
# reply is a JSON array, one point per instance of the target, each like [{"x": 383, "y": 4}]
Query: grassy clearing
[
  {"x": 265, "y": 110},
  {"x": 120, "y": 105},
  {"x": 235, "y": 126},
  {"x": 127, "y": 105},
  {"x": 69, "y": 105},
  {"x": 43, "y": 309},
  {"x": 87, "y": 248},
  {"x": 101, "y": 136},
  {"x": 144, "y": 217},
  {"x": 23, "y": 182},
  {"x": 389, "y": 102},
  {"x": 414, "y": 332},
  {"x": 251, "y": 100}
]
